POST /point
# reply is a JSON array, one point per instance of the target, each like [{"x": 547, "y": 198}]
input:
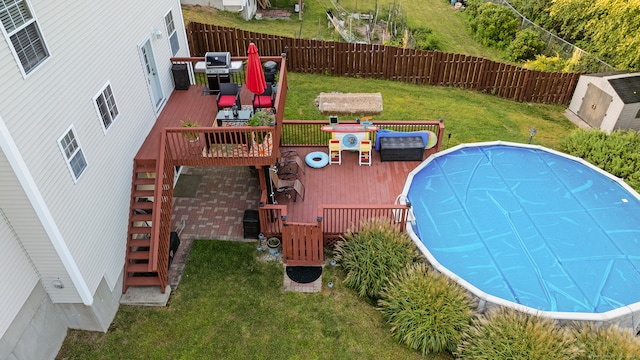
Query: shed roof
[{"x": 627, "y": 88}]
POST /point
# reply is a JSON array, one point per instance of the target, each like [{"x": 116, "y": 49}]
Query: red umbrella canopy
[{"x": 255, "y": 76}]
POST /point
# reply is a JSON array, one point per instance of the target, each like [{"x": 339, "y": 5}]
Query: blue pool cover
[{"x": 531, "y": 227}]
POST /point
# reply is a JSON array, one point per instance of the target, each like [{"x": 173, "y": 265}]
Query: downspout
[{"x": 29, "y": 186}]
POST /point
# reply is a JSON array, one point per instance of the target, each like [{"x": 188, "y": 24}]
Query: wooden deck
[
  {"x": 185, "y": 105},
  {"x": 347, "y": 184}
]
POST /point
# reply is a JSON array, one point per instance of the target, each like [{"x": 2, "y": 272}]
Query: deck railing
[
  {"x": 338, "y": 219},
  {"x": 308, "y": 133}
]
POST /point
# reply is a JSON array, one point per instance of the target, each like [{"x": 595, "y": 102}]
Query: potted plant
[
  {"x": 273, "y": 243},
  {"x": 260, "y": 118},
  {"x": 192, "y": 136}
]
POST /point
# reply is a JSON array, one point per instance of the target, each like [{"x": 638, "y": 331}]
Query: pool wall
[{"x": 626, "y": 316}]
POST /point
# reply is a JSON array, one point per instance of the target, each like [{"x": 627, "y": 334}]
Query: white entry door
[{"x": 151, "y": 72}]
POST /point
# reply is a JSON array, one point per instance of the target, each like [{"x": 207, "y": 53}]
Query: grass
[
  {"x": 229, "y": 305},
  {"x": 469, "y": 116},
  {"x": 447, "y": 24}
]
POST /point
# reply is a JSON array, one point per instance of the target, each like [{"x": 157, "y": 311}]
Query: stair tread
[
  {"x": 137, "y": 268},
  {"x": 138, "y": 243},
  {"x": 144, "y": 181},
  {"x": 141, "y": 217},
  {"x": 142, "y": 280},
  {"x": 138, "y": 255},
  {"x": 143, "y": 193}
]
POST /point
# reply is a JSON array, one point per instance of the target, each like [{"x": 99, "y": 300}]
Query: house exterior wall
[{"x": 58, "y": 228}]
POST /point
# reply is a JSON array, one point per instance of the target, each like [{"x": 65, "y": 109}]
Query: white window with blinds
[
  {"x": 73, "y": 154},
  {"x": 20, "y": 26},
  {"x": 106, "y": 107},
  {"x": 172, "y": 34}
]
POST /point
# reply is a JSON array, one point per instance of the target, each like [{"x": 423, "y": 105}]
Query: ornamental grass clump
[
  {"x": 606, "y": 342},
  {"x": 426, "y": 310},
  {"x": 505, "y": 333},
  {"x": 374, "y": 255}
]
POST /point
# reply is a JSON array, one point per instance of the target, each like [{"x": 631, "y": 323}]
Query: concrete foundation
[{"x": 38, "y": 330}]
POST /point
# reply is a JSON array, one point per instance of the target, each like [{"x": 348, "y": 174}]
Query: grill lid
[{"x": 218, "y": 59}]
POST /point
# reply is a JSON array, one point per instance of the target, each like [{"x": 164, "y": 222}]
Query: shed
[{"x": 608, "y": 101}]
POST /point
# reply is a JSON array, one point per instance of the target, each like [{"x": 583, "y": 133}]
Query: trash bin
[
  {"x": 251, "y": 223},
  {"x": 270, "y": 69},
  {"x": 180, "y": 76}
]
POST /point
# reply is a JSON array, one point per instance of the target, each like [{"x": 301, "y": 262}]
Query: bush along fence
[{"x": 391, "y": 63}]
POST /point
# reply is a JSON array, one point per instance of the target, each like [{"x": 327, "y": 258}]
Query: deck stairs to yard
[{"x": 137, "y": 270}]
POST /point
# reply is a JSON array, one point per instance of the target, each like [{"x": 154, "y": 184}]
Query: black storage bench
[{"x": 406, "y": 148}]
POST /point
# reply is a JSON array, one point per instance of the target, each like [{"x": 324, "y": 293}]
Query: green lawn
[
  {"x": 229, "y": 305},
  {"x": 469, "y": 116},
  {"x": 449, "y": 25}
]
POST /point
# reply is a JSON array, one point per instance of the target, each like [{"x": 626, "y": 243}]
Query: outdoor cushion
[{"x": 226, "y": 101}]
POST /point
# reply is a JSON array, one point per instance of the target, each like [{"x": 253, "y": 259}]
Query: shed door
[{"x": 594, "y": 106}]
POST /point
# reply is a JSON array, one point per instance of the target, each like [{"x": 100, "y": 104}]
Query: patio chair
[
  {"x": 228, "y": 96},
  {"x": 335, "y": 152},
  {"x": 291, "y": 162},
  {"x": 264, "y": 100},
  {"x": 290, "y": 188},
  {"x": 365, "y": 152}
]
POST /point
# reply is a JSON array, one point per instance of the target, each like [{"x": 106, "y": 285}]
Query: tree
[
  {"x": 607, "y": 28},
  {"x": 495, "y": 25},
  {"x": 526, "y": 45}
]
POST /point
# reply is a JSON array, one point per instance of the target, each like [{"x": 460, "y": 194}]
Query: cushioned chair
[
  {"x": 228, "y": 96},
  {"x": 264, "y": 100}
]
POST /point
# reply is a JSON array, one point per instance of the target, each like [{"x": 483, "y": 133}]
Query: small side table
[{"x": 243, "y": 117}]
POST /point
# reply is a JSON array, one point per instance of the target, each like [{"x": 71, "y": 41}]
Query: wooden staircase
[{"x": 138, "y": 269}]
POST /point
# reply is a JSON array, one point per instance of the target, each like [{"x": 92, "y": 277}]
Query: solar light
[
  {"x": 333, "y": 263},
  {"x": 259, "y": 248},
  {"x": 532, "y": 132},
  {"x": 330, "y": 285}
]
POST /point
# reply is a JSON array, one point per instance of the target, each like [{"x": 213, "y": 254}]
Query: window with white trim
[
  {"x": 23, "y": 31},
  {"x": 106, "y": 106},
  {"x": 72, "y": 152},
  {"x": 172, "y": 33}
]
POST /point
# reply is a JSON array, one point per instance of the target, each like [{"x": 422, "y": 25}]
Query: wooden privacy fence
[{"x": 391, "y": 63}]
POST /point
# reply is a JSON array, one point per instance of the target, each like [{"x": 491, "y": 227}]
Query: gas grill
[
  {"x": 217, "y": 69},
  {"x": 217, "y": 62}
]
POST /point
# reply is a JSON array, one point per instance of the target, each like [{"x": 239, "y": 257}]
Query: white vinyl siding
[
  {"x": 106, "y": 106},
  {"x": 172, "y": 34},
  {"x": 73, "y": 154},
  {"x": 39, "y": 111},
  {"x": 23, "y": 31}
]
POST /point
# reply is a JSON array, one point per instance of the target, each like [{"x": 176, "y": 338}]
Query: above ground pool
[{"x": 527, "y": 226}]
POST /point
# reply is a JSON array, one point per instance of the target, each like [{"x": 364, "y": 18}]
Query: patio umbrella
[{"x": 255, "y": 81}]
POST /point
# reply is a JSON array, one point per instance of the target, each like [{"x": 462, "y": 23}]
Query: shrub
[
  {"x": 526, "y": 45},
  {"x": 617, "y": 153},
  {"x": 425, "y": 39},
  {"x": 606, "y": 342},
  {"x": 495, "y": 25},
  {"x": 374, "y": 255},
  {"x": 546, "y": 63},
  {"x": 505, "y": 333},
  {"x": 427, "y": 311}
]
